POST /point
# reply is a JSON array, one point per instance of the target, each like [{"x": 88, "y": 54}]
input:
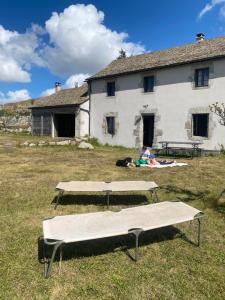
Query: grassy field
[{"x": 169, "y": 267}]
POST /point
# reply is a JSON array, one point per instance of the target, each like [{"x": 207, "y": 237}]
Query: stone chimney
[
  {"x": 57, "y": 86},
  {"x": 200, "y": 37}
]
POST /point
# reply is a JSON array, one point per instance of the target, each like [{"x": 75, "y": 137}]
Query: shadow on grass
[
  {"x": 124, "y": 243},
  {"x": 187, "y": 195},
  {"x": 176, "y": 154},
  {"x": 210, "y": 198},
  {"x": 101, "y": 199},
  {"x": 175, "y": 157}
]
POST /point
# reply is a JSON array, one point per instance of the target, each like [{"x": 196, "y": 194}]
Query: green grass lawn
[{"x": 169, "y": 266}]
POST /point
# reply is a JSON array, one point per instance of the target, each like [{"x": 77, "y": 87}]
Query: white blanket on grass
[{"x": 175, "y": 164}]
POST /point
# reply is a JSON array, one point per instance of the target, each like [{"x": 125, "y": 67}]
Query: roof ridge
[
  {"x": 172, "y": 48},
  {"x": 70, "y": 96},
  {"x": 62, "y": 90},
  {"x": 182, "y": 54}
]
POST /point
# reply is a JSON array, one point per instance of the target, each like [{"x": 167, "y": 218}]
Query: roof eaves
[{"x": 54, "y": 106}]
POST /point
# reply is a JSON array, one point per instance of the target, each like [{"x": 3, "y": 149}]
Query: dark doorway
[
  {"x": 65, "y": 125},
  {"x": 148, "y": 130}
]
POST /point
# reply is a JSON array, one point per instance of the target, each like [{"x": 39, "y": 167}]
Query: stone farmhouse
[
  {"x": 144, "y": 99},
  {"x": 162, "y": 95},
  {"x": 62, "y": 114}
]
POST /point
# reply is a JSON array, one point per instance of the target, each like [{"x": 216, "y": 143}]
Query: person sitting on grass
[
  {"x": 145, "y": 153},
  {"x": 145, "y": 157},
  {"x": 148, "y": 158}
]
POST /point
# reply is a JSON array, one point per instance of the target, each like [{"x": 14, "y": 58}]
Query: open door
[
  {"x": 148, "y": 130},
  {"x": 65, "y": 125}
]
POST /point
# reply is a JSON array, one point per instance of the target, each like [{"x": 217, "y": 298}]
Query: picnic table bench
[{"x": 194, "y": 146}]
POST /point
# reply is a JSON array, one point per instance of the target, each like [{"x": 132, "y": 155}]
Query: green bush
[
  {"x": 7, "y": 113},
  {"x": 94, "y": 142},
  {"x": 222, "y": 149}
]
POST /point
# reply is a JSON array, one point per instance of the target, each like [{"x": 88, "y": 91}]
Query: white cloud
[
  {"x": 71, "y": 82},
  {"x": 37, "y": 29},
  {"x": 80, "y": 43},
  {"x": 209, "y": 6},
  {"x": 17, "y": 53},
  {"x": 15, "y": 96},
  {"x": 74, "y": 80},
  {"x": 222, "y": 11},
  {"x": 47, "y": 92}
]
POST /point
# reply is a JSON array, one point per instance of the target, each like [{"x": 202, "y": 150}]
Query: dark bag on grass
[
  {"x": 128, "y": 159},
  {"x": 124, "y": 162}
]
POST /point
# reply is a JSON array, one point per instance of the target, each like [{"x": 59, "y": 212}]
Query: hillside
[
  {"x": 16, "y": 117},
  {"x": 17, "y": 105}
]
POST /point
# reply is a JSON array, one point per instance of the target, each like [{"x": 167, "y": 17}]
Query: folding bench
[
  {"x": 105, "y": 187},
  {"x": 61, "y": 230}
]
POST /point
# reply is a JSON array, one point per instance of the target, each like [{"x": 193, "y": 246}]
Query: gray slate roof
[
  {"x": 207, "y": 49},
  {"x": 73, "y": 96}
]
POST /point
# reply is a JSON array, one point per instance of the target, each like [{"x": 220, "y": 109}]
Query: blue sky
[{"x": 43, "y": 41}]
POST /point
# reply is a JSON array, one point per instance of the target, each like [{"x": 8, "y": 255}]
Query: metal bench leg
[
  {"x": 136, "y": 232},
  {"x": 199, "y": 232},
  {"x": 60, "y": 257},
  {"x": 151, "y": 192},
  {"x": 155, "y": 195},
  {"x": 45, "y": 260},
  {"x": 107, "y": 199},
  {"x": 48, "y": 265},
  {"x": 60, "y": 195}
]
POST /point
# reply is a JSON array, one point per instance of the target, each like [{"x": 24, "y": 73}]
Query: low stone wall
[
  {"x": 81, "y": 143},
  {"x": 19, "y": 121}
]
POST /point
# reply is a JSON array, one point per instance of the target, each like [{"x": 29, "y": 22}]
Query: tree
[
  {"x": 219, "y": 109},
  {"x": 122, "y": 54}
]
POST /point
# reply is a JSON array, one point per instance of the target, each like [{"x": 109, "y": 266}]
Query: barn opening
[
  {"x": 64, "y": 125},
  {"x": 148, "y": 130}
]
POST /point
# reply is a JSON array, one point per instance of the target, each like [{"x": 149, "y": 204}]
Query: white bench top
[
  {"x": 82, "y": 227},
  {"x": 101, "y": 186}
]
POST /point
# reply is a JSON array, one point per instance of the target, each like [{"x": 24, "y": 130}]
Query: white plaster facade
[
  {"x": 84, "y": 119},
  {"x": 172, "y": 102}
]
